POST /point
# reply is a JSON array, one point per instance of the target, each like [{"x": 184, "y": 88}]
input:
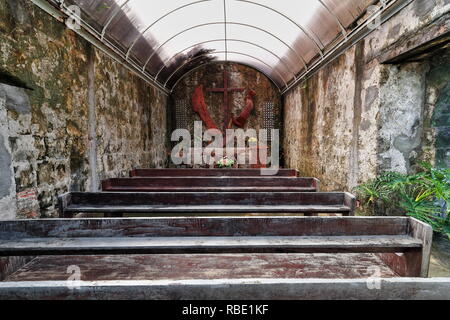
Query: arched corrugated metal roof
[{"x": 166, "y": 39}]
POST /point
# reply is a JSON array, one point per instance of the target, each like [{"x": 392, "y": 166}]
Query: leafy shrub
[{"x": 424, "y": 196}]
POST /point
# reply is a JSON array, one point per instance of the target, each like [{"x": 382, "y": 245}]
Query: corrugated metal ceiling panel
[{"x": 169, "y": 38}]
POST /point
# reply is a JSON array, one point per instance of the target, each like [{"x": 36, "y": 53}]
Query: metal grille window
[
  {"x": 181, "y": 120},
  {"x": 268, "y": 118}
]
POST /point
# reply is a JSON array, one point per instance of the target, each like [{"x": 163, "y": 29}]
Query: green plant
[
  {"x": 378, "y": 188},
  {"x": 424, "y": 196}
]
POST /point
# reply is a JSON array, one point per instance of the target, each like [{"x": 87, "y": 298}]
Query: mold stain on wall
[
  {"x": 47, "y": 128},
  {"x": 344, "y": 125}
]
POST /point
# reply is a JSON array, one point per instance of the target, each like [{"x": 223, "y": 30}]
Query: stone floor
[{"x": 440, "y": 258}]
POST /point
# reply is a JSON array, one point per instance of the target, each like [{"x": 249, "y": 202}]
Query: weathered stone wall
[
  {"x": 401, "y": 116},
  {"x": 437, "y": 115},
  {"x": 318, "y": 123},
  {"x": 84, "y": 118},
  {"x": 362, "y": 114},
  {"x": 131, "y": 121}
]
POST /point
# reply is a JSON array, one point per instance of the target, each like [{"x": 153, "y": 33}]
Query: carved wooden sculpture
[
  {"x": 199, "y": 105},
  {"x": 249, "y": 106}
]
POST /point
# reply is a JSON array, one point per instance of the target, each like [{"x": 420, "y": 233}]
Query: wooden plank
[
  {"x": 208, "y": 202},
  {"x": 207, "y": 172},
  {"x": 422, "y": 231},
  {"x": 198, "y": 209},
  {"x": 203, "y": 226},
  {"x": 121, "y": 188},
  {"x": 210, "y": 198},
  {"x": 154, "y": 245},
  {"x": 211, "y": 184},
  {"x": 413, "y": 263},
  {"x": 232, "y": 289},
  {"x": 405, "y": 264},
  {"x": 204, "y": 266},
  {"x": 350, "y": 201}
]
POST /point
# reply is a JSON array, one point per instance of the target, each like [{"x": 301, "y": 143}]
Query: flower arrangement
[{"x": 225, "y": 163}]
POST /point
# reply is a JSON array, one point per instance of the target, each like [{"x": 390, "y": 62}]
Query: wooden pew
[
  {"x": 118, "y": 203},
  {"x": 211, "y": 184},
  {"x": 221, "y": 258},
  {"x": 173, "y": 172}
]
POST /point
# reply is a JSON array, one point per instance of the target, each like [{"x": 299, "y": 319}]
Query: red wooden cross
[{"x": 226, "y": 102}]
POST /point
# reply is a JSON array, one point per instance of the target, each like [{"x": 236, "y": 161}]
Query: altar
[
  {"x": 242, "y": 157},
  {"x": 220, "y": 100}
]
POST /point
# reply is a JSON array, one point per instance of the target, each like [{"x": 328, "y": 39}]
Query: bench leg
[
  {"x": 407, "y": 264},
  {"x": 311, "y": 214},
  {"x": 67, "y": 215},
  {"x": 413, "y": 262},
  {"x": 114, "y": 215},
  {"x": 348, "y": 214}
]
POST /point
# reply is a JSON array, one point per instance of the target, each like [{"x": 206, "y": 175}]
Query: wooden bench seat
[
  {"x": 382, "y": 236},
  {"x": 217, "y": 257},
  {"x": 211, "y": 184},
  {"x": 206, "y": 202},
  {"x": 178, "y": 267},
  {"x": 174, "y": 172},
  {"x": 88, "y": 245}
]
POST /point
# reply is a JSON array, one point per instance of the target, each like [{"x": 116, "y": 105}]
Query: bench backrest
[
  {"x": 207, "y": 226},
  {"x": 208, "y": 172},
  {"x": 199, "y": 183},
  {"x": 208, "y": 198}
]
